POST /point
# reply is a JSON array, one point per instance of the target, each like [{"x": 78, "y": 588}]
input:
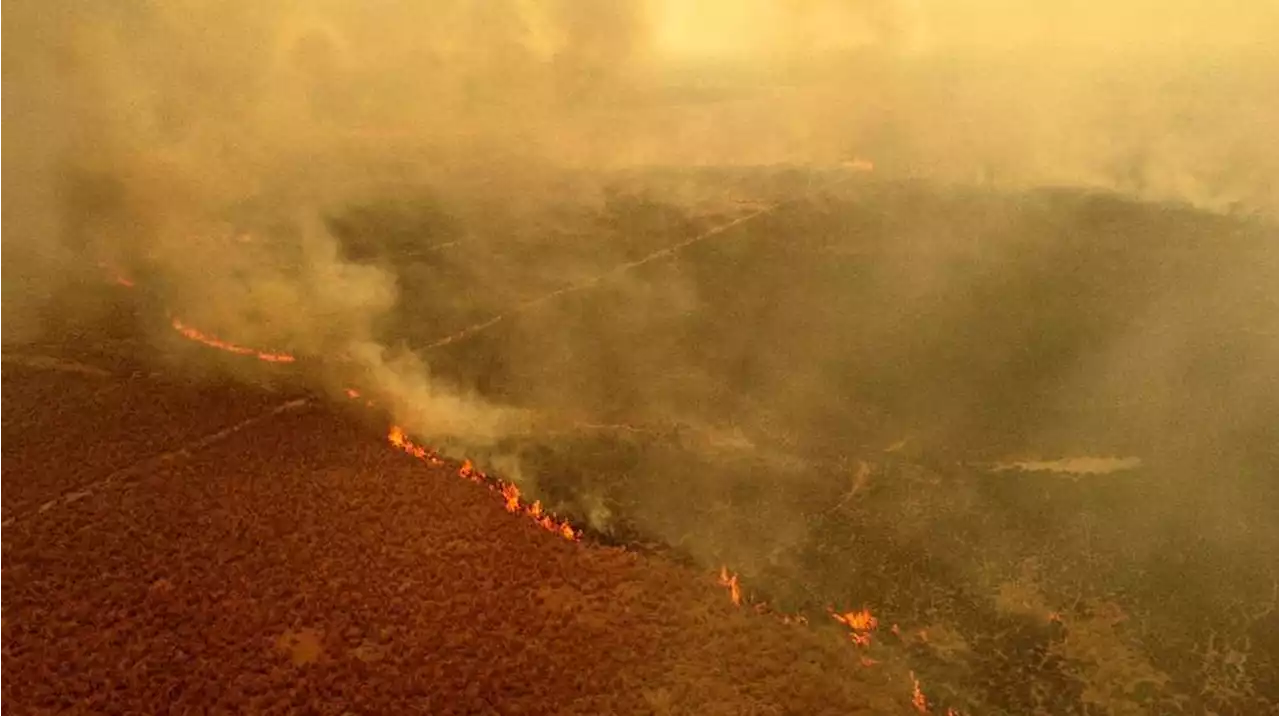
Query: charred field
[
  {"x": 866, "y": 394},
  {"x": 856, "y": 399}
]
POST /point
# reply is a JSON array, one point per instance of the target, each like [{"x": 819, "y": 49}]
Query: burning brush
[
  {"x": 118, "y": 277},
  {"x": 508, "y": 491},
  {"x": 196, "y": 335},
  {"x": 861, "y": 623}
]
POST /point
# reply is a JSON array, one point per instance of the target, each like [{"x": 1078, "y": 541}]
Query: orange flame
[
  {"x": 354, "y": 394},
  {"x": 917, "y": 696},
  {"x": 117, "y": 276},
  {"x": 193, "y": 334},
  {"x": 861, "y": 623},
  {"x": 858, "y": 621},
  {"x": 508, "y": 491},
  {"x": 730, "y": 581},
  {"x": 511, "y": 495}
]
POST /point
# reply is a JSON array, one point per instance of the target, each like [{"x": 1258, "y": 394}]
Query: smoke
[
  {"x": 207, "y": 146},
  {"x": 225, "y": 151}
]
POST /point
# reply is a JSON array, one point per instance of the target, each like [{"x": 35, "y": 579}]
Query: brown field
[{"x": 299, "y": 565}]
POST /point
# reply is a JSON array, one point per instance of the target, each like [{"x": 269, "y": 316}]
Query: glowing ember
[
  {"x": 193, "y": 334},
  {"x": 354, "y": 394},
  {"x": 509, "y": 492},
  {"x": 117, "y": 276},
  {"x": 917, "y": 696},
  {"x": 730, "y": 581}
]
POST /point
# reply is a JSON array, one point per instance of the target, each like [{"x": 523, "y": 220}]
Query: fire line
[
  {"x": 860, "y": 623},
  {"x": 196, "y": 335}
]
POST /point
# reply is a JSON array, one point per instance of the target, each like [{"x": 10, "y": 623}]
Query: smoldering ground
[{"x": 353, "y": 183}]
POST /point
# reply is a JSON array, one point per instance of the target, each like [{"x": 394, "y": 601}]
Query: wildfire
[
  {"x": 921, "y": 702},
  {"x": 193, "y": 334},
  {"x": 118, "y": 277},
  {"x": 509, "y": 493},
  {"x": 730, "y": 582},
  {"x": 861, "y": 623},
  {"x": 918, "y": 699}
]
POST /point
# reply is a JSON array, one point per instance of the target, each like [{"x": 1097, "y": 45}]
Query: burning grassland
[
  {"x": 507, "y": 491},
  {"x": 298, "y": 563},
  {"x": 766, "y": 293},
  {"x": 198, "y": 336},
  {"x": 830, "y": 448}
]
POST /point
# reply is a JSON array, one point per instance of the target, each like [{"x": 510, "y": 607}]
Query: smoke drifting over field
[
  {"x": 355, "y": 183},
  {"x": 225, "y": 150},
  {"x": 138, "y": 127}
]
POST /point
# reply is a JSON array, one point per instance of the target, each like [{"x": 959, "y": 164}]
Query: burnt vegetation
[{"x": 916, "y": 335}]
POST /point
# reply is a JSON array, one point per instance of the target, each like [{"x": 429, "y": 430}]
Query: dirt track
[{"x": 299, "y": 565}]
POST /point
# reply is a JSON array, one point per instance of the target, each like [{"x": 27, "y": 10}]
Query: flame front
[
  {"x": 508, "y": 491},
  {"x": 730, "y": 581},
  {"x": 193, "y": 334},
  {"x": 861, "y": 623}
]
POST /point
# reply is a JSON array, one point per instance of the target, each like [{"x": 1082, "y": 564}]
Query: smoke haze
[
  {"x": 136, "y": 127},
  {"x": 356, "y": 182},
  {"x": 468, "y": 209}
]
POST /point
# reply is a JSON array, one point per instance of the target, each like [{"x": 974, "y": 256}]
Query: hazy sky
[{"x": 746, "y": 26}]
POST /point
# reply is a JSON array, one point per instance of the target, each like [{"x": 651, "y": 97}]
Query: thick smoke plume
[{"x": 210, "y": 143}]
